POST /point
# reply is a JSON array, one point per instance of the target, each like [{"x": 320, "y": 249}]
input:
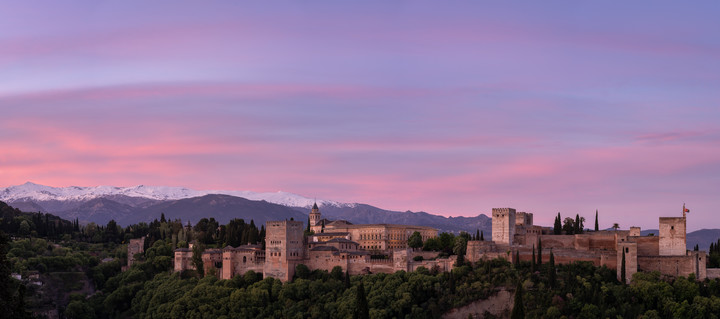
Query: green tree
[
  {"x": 308, "y": 232},
  {"x": 569, "y": 226},
  {"x": 78, "y": 309},
  {"x": 552, "y": 272},
  {"x": 578, "y": 225},
  {"x": 302, "y": 271},
  {"x": 362, "y": 311},
  {"x": 518, "y": 311},
  {"x": 482, "y": 236},
  {"x": 539, "y": 257},
  {"x": 597, "y": 227},
  {"x": 5, "y": 279},
  {"x": 111, "y": 232},
  {"x": 460, "y": 245},
  {"x": 197, "y": 261},
  {"x": 532, "y": 260},
  {"x": 24, "y": 228},
  {"x": 347, "y": 280},
  {"x": 336, "y": 273},
  {"x": 557, "y": 228},
  {"x": 415, "y": 240},
  {"x": 623, "y": 275}
]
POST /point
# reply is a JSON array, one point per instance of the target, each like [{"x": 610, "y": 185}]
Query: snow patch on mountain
[{"x": 32, "y": 191}]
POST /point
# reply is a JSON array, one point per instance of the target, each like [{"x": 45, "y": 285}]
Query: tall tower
[
  {"x": 315, "y": 218},
  {"x": 284, "y": 248},
  {"x": 672, "y": 236},
  {"x": 503, "y": 225},
  {"x": 631, "y": 267}
]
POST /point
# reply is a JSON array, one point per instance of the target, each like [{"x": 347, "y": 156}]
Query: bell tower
[{"x": 315, "y": 218}]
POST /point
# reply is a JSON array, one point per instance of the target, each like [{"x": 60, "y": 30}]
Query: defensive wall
[{"x": 666, "y": 253}]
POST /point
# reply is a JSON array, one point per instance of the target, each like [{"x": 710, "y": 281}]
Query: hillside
[{"x": 222, "y": 207}]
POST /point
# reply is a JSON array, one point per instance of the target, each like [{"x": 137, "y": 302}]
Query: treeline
[
  {"x": 207, "y": 231},
  {"x": 714, "y": 255},
  {"x": 15, "y": 222}
]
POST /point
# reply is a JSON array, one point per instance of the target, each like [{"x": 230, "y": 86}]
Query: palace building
[{"x": 357, "y": 249}]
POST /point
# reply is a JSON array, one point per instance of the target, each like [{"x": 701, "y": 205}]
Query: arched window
[{"x": 244, "y": 259}]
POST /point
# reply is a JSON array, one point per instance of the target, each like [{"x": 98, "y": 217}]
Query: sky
[{"x": 450, "y": 107}]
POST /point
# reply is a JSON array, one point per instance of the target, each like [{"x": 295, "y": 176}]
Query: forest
[{"x": 83, "y": 265}]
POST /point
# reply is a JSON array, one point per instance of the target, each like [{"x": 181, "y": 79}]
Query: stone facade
[
  {"x": 631, "y": 260},
  {"x": 284, "y": 248},
  {"x": 503, "y": 224},
  {"x": 135, "y": 246},
  {"x": 672, "y": 236},
  {"x": 183, "y": 259},
  {"x": 376, "y": 238},
  {"x": 337, "y": 243}
]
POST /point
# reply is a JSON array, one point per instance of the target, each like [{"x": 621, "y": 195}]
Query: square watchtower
[
  {"x": 503, "y": 225},
  {"x": 284, "y": 248}
]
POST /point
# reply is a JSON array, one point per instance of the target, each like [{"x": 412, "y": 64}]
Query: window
[
  {"x": 672, "y": 227},
  {"x": 627, "y": 250}
]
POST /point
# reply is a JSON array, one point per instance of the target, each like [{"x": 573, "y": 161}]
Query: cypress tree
[
  {"x": 532, "y": 261},
  {"x": 477, "y": 234},
  {"x": 362, "y": 311},
  {"x": 517, "y": 257},
  {"x": 552, "y": 274},
  {"x": 452, "y": 283},
  {"x": 482, "y": 236},
  {"x": 577, "y": 224},
  {"x": 518, "y": 311},
  {"x": 597, "y": 228},
  {"x": 622, "y": 269},
  {"x": 539, "y": 257},
  {"x": 557, "y": 229},
  {"x": 347, "y": 279},
  {"x": 197, "y": 259},
  {"x": 460, "y": 260}
]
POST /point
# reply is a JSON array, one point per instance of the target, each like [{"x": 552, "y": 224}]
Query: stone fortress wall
[
  {"x": 352, "y": 248},
  {"x": 666, "y": 253}
]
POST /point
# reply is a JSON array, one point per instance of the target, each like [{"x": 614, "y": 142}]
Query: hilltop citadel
[{"x": 356, "y": 248}]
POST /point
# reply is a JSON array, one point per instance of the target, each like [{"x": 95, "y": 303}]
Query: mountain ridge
[{"x": 36, "y": 192}]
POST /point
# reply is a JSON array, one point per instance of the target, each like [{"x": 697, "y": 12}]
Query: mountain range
[{"x": 130, "y": 205}]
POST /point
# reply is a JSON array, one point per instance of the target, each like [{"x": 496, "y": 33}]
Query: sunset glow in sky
[{"x": 446, "y": 107}]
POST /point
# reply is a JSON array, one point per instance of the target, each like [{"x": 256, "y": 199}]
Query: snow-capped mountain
[
  {"x": 131, "y": 205},
  {"x": 35, "y": 192}
]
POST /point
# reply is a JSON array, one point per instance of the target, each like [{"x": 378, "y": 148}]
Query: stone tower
[
  {"x": 284, "y": 248},
  {"x": 503, "y": 225},
  {"x": 631, "y": 264},
  {"x": 672, "y": 236},
  {"x": 315, "y": 219}
]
